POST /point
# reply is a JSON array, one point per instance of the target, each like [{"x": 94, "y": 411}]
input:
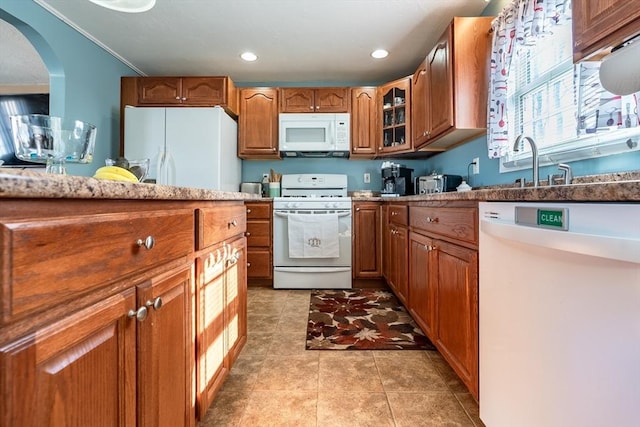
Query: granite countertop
[
  {"x": 620, "y": 187},
  {"x": 17, "y": 183}
]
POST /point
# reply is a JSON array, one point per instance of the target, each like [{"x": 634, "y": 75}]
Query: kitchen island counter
[{"x": 16, "y": 184}]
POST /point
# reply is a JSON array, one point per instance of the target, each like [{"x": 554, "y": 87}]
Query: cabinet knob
[
  {"x": 248, "y": 211},
  {"x": 432, "y": 248},
  {"x": 357, "y": 209},
  {"x": 248, "y": 264},
  {"x": 429, "y": 219},
  {"x": 317, "y": 107},
  {"x": 273, "y": 149},
  {"x": 183, "y": 99},
  {"x": 311, "y": 108},
  {"x": 148, "y": 243},
  {"x": 140, "y": 314},
  {"x": 247, "y": 234},
  {"x": 394, "y": 213},
  {"x": 178, "y": 98},
  {"x": 155, "y": 303},
  {"x": 233, "y": 223}
]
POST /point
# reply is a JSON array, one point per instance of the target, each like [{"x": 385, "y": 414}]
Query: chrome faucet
[
  {"x": 566, "y": 169},
  {"x": 534, "y": 156}
]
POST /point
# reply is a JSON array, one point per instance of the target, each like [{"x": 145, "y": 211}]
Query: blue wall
[{"x": 85, "y": 79}]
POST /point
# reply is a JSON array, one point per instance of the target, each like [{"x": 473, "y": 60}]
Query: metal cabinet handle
[
  {"x": 140, "y": 314},
  {"x": 394, "y": 213},
  {"x": 184, "y": 99},
  {"x": 248, "y": 234},
  {"x": 233, "y": 258},
  {"x": 429, "y": 219},
  {"x": 156, "y": 303},
  {"x": 273, "y": 149},
  {"x": 357, "y": 209},
  {"x": 148, "y": 243},
  {"x": 233, "y": 223},
  {"x": 311, "y": 107},
  {"x": 178, "y": 98},
  {"x": 248, "y": 210},
  {"x": 248, "y": 264},
  {"x": 432, "y": 248}
]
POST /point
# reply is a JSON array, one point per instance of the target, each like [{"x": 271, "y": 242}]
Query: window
[{"x": 563, "y": 107}]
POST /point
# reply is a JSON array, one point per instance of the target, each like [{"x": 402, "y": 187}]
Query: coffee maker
[{"x": 396, "y": 180}]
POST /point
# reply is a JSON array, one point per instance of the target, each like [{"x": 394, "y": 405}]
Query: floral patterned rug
[{"x": 361, "y": 319}]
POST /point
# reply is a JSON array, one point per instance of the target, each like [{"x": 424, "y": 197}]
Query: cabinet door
[
  {"x": 364, "y": 122},
  {"x": 599, "y": 24},
  {"x": 420, "y": 104},
  {"x": 423, "y": 276},
  {"x": 160, "y": 90},
  {"x": 395, "y": 108},
  {"x": 236, "y": 298},
  {"x": 366, "y": 240},
  {"x": 297, "y": 100},
  {"x": 259, "y": 263},
  {"x": 203, "y": 91},
  {"x": 332, "y": 100},
  {"x": 386, "y": 243},
  {"x": 165, "y": 353},
  {"x": 440, "y": 89},
  {"x": 258, "y": 123},
  {"x": 401, "y": 251},
  {"x": 457, "y": 308},
  {"x": 78, "y": 371},
  {"x": 210, "y": 336}
]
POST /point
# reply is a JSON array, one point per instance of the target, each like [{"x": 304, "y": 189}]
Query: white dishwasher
[{"x": 559, "y": 308}]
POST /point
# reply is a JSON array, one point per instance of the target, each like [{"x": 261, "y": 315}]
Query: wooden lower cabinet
[
  {"x": 259, "y": 241},
  {"x": 221, "y": 316},
  {"x": 119, "y": 362},
  {"x": 398, "y": 275},
  {"x": 443, "y": 285},
  {"x": 457, "y": 311},
  {"x": 367, "y": 240}
]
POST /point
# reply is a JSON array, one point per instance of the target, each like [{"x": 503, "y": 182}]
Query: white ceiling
[{"x": 324, "y": 41}]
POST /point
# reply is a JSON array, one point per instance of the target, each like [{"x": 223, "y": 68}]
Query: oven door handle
[
  {"x": 312, "y": 269},
  {"x": 286, "y": 214}
]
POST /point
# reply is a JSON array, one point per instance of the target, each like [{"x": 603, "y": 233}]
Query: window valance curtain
[{"x": 521, "y": 23}]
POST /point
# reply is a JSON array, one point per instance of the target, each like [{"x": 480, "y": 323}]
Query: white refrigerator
[{"x": 202, "y": 143}]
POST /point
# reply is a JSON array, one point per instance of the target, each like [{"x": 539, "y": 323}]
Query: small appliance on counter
[
  {"x": 437, "y": 183},
  {"x": 396, "y": 180},
  {"x": 251, "y": 187}
]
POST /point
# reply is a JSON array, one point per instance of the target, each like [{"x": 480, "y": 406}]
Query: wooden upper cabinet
[
  {"x": 364, "y": 122},
  {"x": 420, "y": 104},
  {"x": 456, "y": 86},
  {"x": 602, "y": 24},
  {"x": 394, "y": 106},
  {"x": 186, "y": 91},
  {"x": 258, "y": 123},
  {"x": 314, "y": 100}
]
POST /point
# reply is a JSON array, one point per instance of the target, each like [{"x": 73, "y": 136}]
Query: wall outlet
[
  {"x": 367, "y": 178},
  {"x": 476, "y": 166}
]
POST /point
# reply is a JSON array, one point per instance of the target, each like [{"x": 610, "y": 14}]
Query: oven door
[{"x": 281, "y": 241}]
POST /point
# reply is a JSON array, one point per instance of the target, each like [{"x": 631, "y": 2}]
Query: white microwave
[{"x": 314, "y": 134}]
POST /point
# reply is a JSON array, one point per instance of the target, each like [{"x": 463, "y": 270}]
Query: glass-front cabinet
[{"x": 395, "y": 98}]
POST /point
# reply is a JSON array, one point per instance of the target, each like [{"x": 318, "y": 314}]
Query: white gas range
[{"x": 312, "y": 233}]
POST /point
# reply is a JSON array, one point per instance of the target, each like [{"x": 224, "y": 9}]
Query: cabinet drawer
[
  {"x": 398, "y": 214},
  {"x": 258, "y": 233},
  {"x": 57, "y": 259},
  {"x": 258, "y": 211},
  {"x": 259, "y": 263},
  {"x": 220, "y": 223},
  {"x": 458, "y": 223}
]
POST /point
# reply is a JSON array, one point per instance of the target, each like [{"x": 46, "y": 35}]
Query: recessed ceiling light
[
  {"x": 129, "y": 6},
  {"x": 249, "y": 56},
  {"x": 379, "y": 53}
]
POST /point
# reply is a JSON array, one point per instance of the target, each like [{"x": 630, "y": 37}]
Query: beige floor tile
[
  {"x": 427, "y": 409},
  {"x": 471, "y": 407},
  {"x": 350, "y": 375},
  {"x": 288, "y": 373},
  {"x": 292, "y": 324},
  {"x": 408, "y": 374},
  {"x": 361, "y": 409},
  {"x": 227, "y": 409},
  {"x": 262, "y": 323},
  {"x": 404, "y": 354},
  {"x": 281, "y": 409},
  {"x": 288, "y": 344},
  {"x": 345, "y": 354},
  {"x": 244, "y": 372},
  {"x": 448, "y": 374},
  {"x": 258, "y": 343}
]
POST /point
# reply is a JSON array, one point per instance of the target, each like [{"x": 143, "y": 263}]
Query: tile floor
[{"x": 276, "y": 382}]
